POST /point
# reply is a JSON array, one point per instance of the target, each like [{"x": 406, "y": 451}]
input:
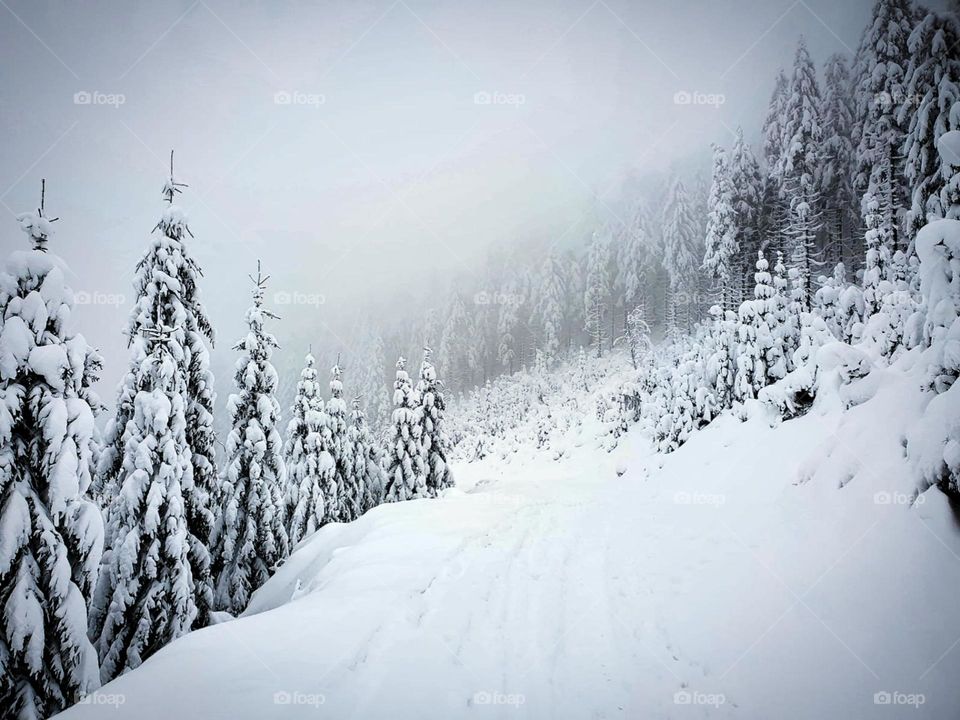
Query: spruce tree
[
  {"x": 679, "y": 259},
  {"x": 350, "y": 491},
  {"x": 365, "y": 460},
  {"x": 746, "y": 185},
  {"x": 310, "y": 467},
  {"x": 405, "y": 470},
  {"x": 167, "y": 291},
  {"x": 836, "y": 162},
  {"x": 722, "y": 248},
  {"x": 250, "y": 539},
  {"x": 145, "y": 595},
  {"x": 549, "y": 309},
  {"x": 50, "y": 533},
  {"x": 634, "y": 262},
  {"x": 433, "y": 440},
  {"x": 597, "y": 290},
  {"x": 932, "y": 88}
]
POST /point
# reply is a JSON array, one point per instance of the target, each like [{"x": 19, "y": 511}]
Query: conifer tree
[
  {"x": 597, "y": 290},
  {"x": 167, "y": 292},
  {"x": 679, "y": 259},
  {"x": 51, "y": 535},
  {"x": 837, "y": 162},
  {"x": 549, "y": 309},
  {"x": 433, "y": 440},
  {"x": 371, "y": 382},
  {"x": 250, "y": 539},
  {"x": 350, "y": 491},
  {"x": 746, "y": 185},
  {"x": 365, "y": 461},
  {"x": 722, "y": 248},
  {"x": 145, "y": 596},
  {"x": 309, "y": 466},
  {"x": 932, "y": 88},
  {"x": 634, "y": 261},
  {"x": 405, "y": 470}
]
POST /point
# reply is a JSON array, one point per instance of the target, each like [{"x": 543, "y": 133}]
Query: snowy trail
[{"x": 716, "y": 582}]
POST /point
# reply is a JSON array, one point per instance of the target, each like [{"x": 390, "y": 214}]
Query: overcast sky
[{"x": 361, "y": 148}]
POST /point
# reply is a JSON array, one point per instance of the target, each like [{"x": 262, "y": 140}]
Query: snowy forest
[{"x": 697, "y": 455}]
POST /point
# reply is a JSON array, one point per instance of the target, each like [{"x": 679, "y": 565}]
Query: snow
[{"x": 756, "y": 572}]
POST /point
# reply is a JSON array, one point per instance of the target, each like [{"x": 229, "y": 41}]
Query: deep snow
[{"x": 758, "y": 572}]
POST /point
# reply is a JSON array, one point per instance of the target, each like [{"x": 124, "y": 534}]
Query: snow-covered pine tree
[
  {"x": 883, "y": 58},
  {"x": 787, "y": 308},
  {"x": 746, "y": 184},
  {"x": 721, "y": 367},
  {"x": 145, "y": 596},
  {"x": 679, "y": 260},
  {"x": 453, "y": 342},
  {"x": 51, "y": 535},
  {"x": 371, "y": 382},
  {"x": 574, "y": 319},
  {"x": 508, "y": 322},
  {"x": 310, "y": 468},
  {"x": 759, "y": 356},
  {"x": 366, "y": 460},
  {"x": 350, "y": 491},
  {"x": 634, "y": 262},
  {"x": 167, "y": 291},
  {"x": 637, "y": 335},
  {"x": 836, "y": 163},
  {"x": 549, "y": 310},
  {"x": 433, "y": 440},
  {"x": 597, "y": 291},
  {"x": 250, "y": 539},
  {"x": 405, "y": 471},
  {"x": 773, "y": 214},
  {"x": 800, "y": 171},
  {"x": 722, "y": 250},
  {"x": 932, "y": 88},
  {"x": 826, "y": 301}
]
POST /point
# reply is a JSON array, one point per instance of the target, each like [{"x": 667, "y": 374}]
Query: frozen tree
[
  {"x": 597, "y": 291},
  {"x": 147, "y": 566},
  {"x": 746, "y": 185},
  {"x": 405, "y": 470},
  {"x": 508, "y": 322},
  {"x": 310, "y": 468},
  {"x": 433, "y": 440},
  {"x": 365, "y": 461},
  {"x": 453, "y": 342},
  {"x": 549, "y": 308},
  {"x": 773, "y": 123},
  {"x": 799, "y": 170},
  {"x": 167, "y": 292},
  {"x": 679, "y": 259},
  {"x": 633, "y": 262},
  {"x": 787, "y": 308},
  {"x": 722, "y": 249},
  {"x": 637, "y": 335},
  {"x": 883, "y": 58},
  {"x": 51, "y": 535},
  {"x": 721, "y": 366},
  {"x": 759, "y": 358},
  {"x": 349, "y": 502},
  {"x": 250, "y": 538},
  {"x": 826, "y": 301},
  {"x": 836, "y": 160},
  {"x": 932, "y": 88}
]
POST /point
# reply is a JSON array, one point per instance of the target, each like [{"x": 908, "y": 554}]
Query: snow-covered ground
[{"x": 758, "y": 572}]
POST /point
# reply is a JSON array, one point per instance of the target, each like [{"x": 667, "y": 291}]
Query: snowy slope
[{"x": 757, "y": 572}]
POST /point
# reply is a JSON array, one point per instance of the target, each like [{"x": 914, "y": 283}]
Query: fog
[{"x": 367, "y": 153}]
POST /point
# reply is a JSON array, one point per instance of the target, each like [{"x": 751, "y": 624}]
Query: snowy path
[{"x": 714, "y": 586}]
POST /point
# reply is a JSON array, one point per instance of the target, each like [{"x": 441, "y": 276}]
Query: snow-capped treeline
[
  {"x": 779, "y": 338},
  {"x": 112, "y": 547},
  {"x": 844, "y": 149}
]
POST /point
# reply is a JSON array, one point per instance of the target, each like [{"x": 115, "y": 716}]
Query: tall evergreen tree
[
  {"x": 836, "y": 162},
  {"x": 679, "y": 259},
  {"x": 746, "y": 184},
  {"x": 433, "y": 439},
  {"x": 405, "y": 471},
  {"x": 549, "y": 309},
  {"x": 145, "y": 597},
  {"x": 597, "y": 291},
  {"x": 366, "y": 460},
  {"x": 799, "y": 170},
  {"x": 310, "y": 467},
  {"x": 168, "y": 294},
  {"x": 634, "y": 262},
  {"x": 722, "y": 249},
  {"x": 371, "y": 382},
  {"x": 250, "y": 538},
  {"x": 50, "y": 534},
  {"x": 350, "y": 492},
  {"x": 932, "y": 88}
]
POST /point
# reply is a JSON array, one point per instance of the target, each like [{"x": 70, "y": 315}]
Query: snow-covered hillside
[{"x": 763, "y": 570}]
